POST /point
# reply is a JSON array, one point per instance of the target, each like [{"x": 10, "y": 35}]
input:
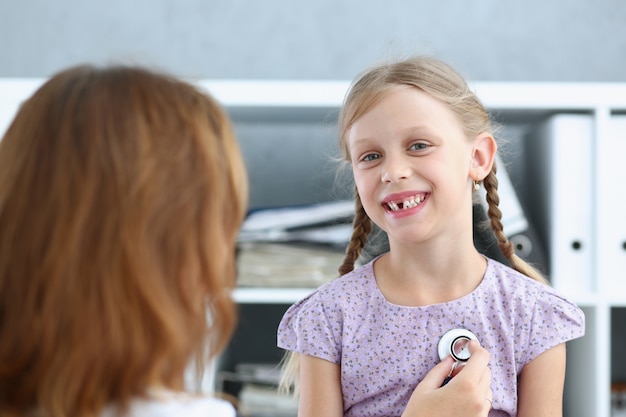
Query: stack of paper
[
  {"x": 294, "y": 247},
  {"x": 286, "y": 265}
]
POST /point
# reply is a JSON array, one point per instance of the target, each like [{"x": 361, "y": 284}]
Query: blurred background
[{"x": 531, "y": 40}]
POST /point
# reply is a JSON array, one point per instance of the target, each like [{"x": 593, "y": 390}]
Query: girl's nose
[{"x": 395, "y": 170}]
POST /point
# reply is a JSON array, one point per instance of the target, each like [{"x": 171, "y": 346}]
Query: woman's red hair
[{"x": 121, "y": 194}]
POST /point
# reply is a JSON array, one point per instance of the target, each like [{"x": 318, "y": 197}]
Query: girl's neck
[{"x": 411, "y": 277}]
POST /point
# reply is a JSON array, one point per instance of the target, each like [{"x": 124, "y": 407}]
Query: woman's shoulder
[{"x": 171, "y": 404}]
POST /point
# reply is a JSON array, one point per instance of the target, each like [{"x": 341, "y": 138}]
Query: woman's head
[{"x": 121, "y": 194}]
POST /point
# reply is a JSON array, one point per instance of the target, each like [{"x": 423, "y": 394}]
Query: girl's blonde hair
[
  {"x": 122, "y": 191},
  {"x": 445, "y": 84}
]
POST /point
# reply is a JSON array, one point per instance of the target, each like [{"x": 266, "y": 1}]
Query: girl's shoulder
[
  {"x": 355, "y": 287},
  {"x": 349, "y": 289},
  {"x": 509, "y": 279},
  {"x": 507, "y": 283},
  {"x": 540, "y": 316},
  {"x": 361, "y": 276},
  {"x": 315, "y": 324}
]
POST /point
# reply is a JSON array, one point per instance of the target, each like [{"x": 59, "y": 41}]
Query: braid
[
  {"x": 495, "y": 218},
  {"x": 495, "y": 215},
  {"x": 362, "y": 227}
]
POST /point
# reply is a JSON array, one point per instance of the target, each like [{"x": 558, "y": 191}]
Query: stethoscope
[{"x": 455, "y": 343}]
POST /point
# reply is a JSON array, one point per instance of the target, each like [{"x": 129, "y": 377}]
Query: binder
[
  {"x": 611, "y": 209},
  {"x": 559, "y": 161}
]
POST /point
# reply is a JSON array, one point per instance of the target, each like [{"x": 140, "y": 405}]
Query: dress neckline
[{"x": 371, "y": 278}]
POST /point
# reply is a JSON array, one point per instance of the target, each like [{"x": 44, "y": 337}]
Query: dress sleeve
[
  {"x": 307, "y": 328},
  {"x": 554, "y": 320}
]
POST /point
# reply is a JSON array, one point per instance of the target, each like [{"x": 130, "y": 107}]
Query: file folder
[
  {"x": 611, "y": 210},
  {"x": 559, "y": 161}
]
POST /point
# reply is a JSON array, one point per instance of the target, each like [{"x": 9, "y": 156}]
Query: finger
[
  {"x": 477, "y": 364},
  {"x": 438, "y": 373},
  {"x": 479, "y": 358},
  {"x": 476, "y": 349}
]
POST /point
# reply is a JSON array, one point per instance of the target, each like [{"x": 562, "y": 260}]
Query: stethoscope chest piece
[{"x": 454, "y": 343}]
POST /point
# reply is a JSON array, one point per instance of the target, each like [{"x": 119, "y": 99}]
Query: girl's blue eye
[
  {"x": 370, "y": 157},
  {"x": 418, "y": 146}
]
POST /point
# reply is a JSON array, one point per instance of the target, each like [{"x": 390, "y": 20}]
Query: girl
[
  {"x": 121, "y": 195},
  {"x": 420, "y": 144}
]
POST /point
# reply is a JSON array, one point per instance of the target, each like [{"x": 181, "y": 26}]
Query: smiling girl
[{"x": 420, "y": 144}]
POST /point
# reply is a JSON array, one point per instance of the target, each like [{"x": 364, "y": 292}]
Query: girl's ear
[{"x": 483, "y": 155}]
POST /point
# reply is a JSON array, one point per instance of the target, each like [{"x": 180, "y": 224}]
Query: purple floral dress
[{"x": 385, "y": 350}]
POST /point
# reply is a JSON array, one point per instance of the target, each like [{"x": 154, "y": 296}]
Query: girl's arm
[
  {"x": 541, "y": 385},
  {"x": 320, "y": 388}
]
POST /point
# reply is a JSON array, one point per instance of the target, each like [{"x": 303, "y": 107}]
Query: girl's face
[{"x": 412, "y": 164}]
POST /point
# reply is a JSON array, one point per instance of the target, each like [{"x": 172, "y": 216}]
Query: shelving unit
[{"x": 593, "y": 361}]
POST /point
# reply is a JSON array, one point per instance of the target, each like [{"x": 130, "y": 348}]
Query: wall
[{"x": 531, "y": 40}]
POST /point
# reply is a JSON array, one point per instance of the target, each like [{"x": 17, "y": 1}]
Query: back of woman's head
[{"x": 121, "y": 194}]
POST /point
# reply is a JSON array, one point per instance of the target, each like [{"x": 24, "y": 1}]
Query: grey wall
[{"x": 535, "y": 40}]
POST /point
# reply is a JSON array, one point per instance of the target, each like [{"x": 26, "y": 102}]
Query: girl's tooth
[{"x": 406, "y": 204}]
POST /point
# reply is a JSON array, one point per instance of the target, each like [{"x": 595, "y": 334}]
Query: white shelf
[
  {"x": 270, "y": 295},
  {"x": 494, "y": 95},
  {"x": 315, "y": 93}
]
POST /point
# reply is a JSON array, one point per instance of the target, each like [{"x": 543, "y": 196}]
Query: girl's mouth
[{"x": 406, "y": 203}]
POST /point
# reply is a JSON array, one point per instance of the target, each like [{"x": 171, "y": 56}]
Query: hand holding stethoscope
[
  {"x": 467, "y": 391},
  {"x": 455, "y": 343}
]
